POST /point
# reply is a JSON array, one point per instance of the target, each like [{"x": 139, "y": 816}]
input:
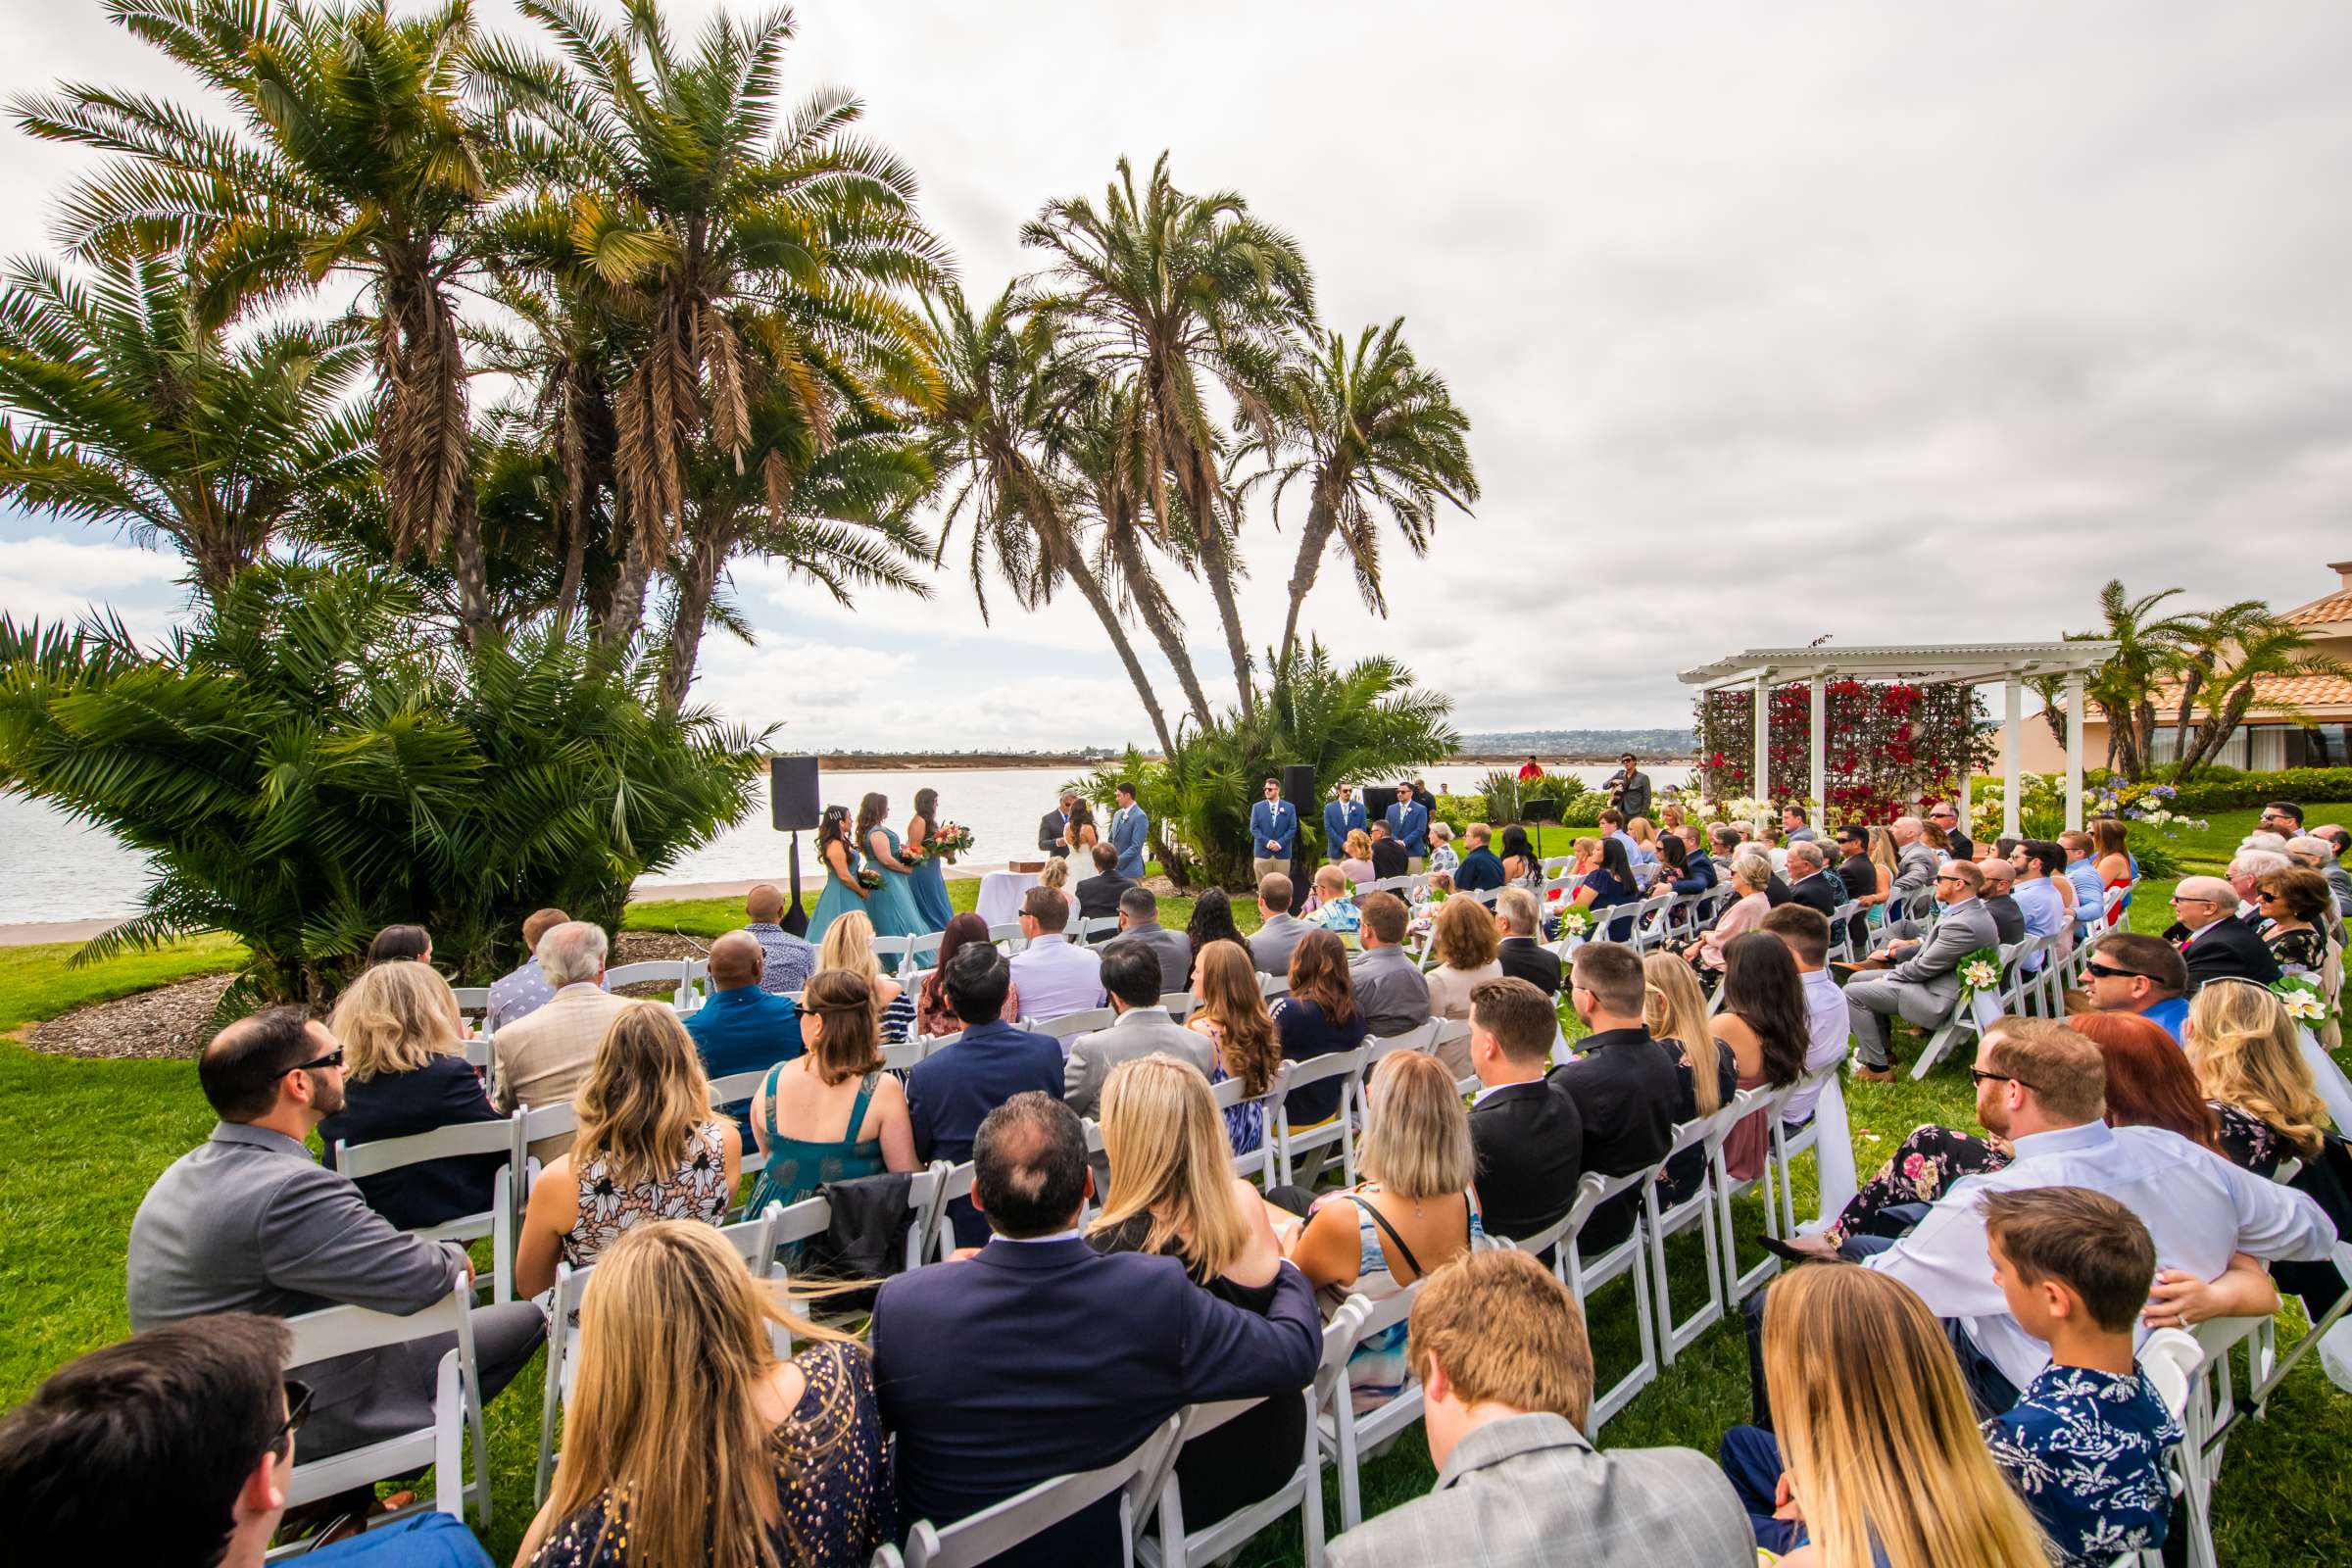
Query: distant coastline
[{"x": 918, "y": 762}]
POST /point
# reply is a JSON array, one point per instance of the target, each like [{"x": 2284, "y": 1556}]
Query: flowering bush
[{"x": 1887, "y": 744}]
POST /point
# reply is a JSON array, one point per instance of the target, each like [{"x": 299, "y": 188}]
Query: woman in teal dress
[
  {"x": 892, "y": 906},
  {"x": 843, "y": 892},
  {"x": 930, "y": 880},
  {"x": 830, "y": 1114}
]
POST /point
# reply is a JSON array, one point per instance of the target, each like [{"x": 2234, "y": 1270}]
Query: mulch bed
[{"x": 175, "y": 1020}]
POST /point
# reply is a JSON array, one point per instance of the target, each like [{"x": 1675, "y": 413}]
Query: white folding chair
[
  {"x": 947, "y": 1184},
  {"x": 443, "y": 1444},
  {"x": 1450, "y": 1031},
  {"x": 1093, "y": 928},
  {"x": 1258, "y": 1165},
  {"x": 1421, "y": 1037},
  {"x": 2204, "y": 1421},
  {"x": 677, "y": 971},
  {"x": 902, "y": 1057},
  {"x": 1583, "y": 1276},
  {"x": 1661, "y": 1220},
  {"x": 1346, "y": 1434},
  {"x": 923, "y": 951},
  {"x": 1769, "y": 1103},
  {"x": 891, "y": 952},
  {"x": 1008, "y": 932},
  {"x": 1289, "y": 1144},
  {"x": 1070, "y": 1025},
  {"x": 1786, "y": 1146},
  {"x": 1841, "y": 931},
  {"x": 1650, "y": 924},
  {"x": 1178, "y": 1004},
  {"x": 471, "y": 1138},
  {"x": 1271, "y": 986},
  {"x": 1179, "y": 1545},
  {"x": 975, "y": 1539},
  {"x": 473, "y": 1000}
]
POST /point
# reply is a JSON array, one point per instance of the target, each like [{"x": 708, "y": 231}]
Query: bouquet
[
  {"x": 1981, "y": 970},
  {"x": 1576, "y": 921},
  {"x": 869, "y": 879},
  {"x": 2304, "y": 1003},
  {"x": 951, "y": 840}
]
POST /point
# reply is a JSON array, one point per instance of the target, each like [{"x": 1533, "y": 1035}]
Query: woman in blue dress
[
  {"x": 843, "y": 893},
  {"x": 892, "y": 906},
  {"x": 930, "y": 879}
]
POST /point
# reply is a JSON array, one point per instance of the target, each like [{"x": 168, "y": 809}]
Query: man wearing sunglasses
[
  {"x": 249, "y": 1222},
  {"x": 1945, "y": 814},
  {"x": 2213, "y": 942},
  {"x": 1919, "y": 980},
  {"x": 2133, "y": 972}
]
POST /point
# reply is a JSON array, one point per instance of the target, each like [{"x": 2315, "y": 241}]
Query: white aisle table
[{"x": 1000, "y": 901}]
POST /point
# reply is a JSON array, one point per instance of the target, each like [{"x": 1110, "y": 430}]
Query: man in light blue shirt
[
  {"x": 1409, "y": 825},
  {"x": 743, "y": 1027},
  {"x": 2037, "y": 896},
  {"x": 1273, "y": 833},
  {"x": 1343, "y": 814},
  {"x": 2083, "y": 870},
  {"x": 1129, "y": 827}
]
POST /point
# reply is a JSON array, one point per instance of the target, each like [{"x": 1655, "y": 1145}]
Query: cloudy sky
[{"x": 1889, "y": 323}]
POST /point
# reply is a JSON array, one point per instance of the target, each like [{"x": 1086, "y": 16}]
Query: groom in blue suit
[
  {"x": 1273, "y": 833},
  {"x": 1409, "y": 825},
  {"x": 1341, "y": 815},
  {"x": 1128, "y": 828}
]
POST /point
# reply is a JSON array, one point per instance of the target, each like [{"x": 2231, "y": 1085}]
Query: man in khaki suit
[{"x": 543, "y": 1057}]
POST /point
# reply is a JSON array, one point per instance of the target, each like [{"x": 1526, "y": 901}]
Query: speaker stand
[{"x": 795, "y": 918}]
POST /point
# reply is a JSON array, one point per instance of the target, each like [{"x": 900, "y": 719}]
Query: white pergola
[{"x": 1924, "y": 663}]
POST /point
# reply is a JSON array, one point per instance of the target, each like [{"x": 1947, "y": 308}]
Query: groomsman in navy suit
[
  {"x": 1345, "y": 814},
  {"x": 1273, "y": 832},
  {"x": 1128, "y": 828},
  {"x": 1408, "y": 824}
]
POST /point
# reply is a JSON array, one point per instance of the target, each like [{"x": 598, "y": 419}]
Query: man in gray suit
[
  {"x": 1919, "y": 980},
  {"x": 249, "y": 1222},
  {"x": 1507, "y": 1377},
  {"x": 1914, "y": 861},
  {"x": 1131, "y": 974},
  {"x": 1278, "y": 930},
  {"x": 1139, "y": 926},
  {"x": 1390, "y": 989}
]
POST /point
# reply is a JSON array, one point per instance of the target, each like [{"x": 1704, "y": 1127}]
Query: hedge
[{"x": 2233, "y": 790}]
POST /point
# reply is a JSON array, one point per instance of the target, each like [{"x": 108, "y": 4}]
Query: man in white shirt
[
  {"x": 525, "y": 991},
  {"x": 2043, "y": 1087},
  {"x": 1055, "y": 976},
  {"x": 1805, "y": 932}
]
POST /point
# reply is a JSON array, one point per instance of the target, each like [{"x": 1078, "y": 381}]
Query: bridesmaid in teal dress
[
  {"x": 842, "y": 891},
  {"x": 892, "y": 906},
  {"x": 930, "y": 877}
]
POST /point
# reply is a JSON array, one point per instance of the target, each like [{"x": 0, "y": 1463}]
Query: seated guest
[
  {"x": 742, "y": 1027},
  {"x": 249, "y": 1222},
  {"x": 1099, "y": 895},
  {"x": 1481, "y": 867},
  {"x": 2311, "y": 852},
  {"x": 1139, "y": 926},
  {"x": 1809, "y": 880},
  {"x": 1416, "y": 1209},
  {"x": 2248, "y": 1060},
  {"x": 1507, "y": 1377},
  {"x": 1750, "y": 874},
  {"x": 1443, "y": 855},
  {"x": 2283, "y": 818},
  {"x": 1674, "y": 860},
  {"x": 1765, "y": 1028},
  {"x": 2084, "y": 1444},
  {"x": 1054, "y": 977},
  {"x": 1278, "y": 929},
  {"x": 2296, "y": 901},
  {"x": 404, "y": 1071},
  {"x": 1055, "y": 875},
  {"x": 2247, "y": 867},
  {"x": 2041, "y": 890},
  {"x": 1915, "y": 863},
  {"x": 1518, "y": 951},
  {"x": 541, "y": 1059},
  {"x": 1174, "y": 1195},
  {"x": 2082, "y": 873},
  {"x": 1212, "y": 921},
  {"x": 1231, "y": 1015},
  {"x": 830, "y": 1114},
  {"x": 1141, "y": 1027},
  {"x": 1390, "y": 857},
  {"x": 1675, "y": 1012},
  {"x": 1918, "y": 980},
  {"x": 1859, "y": 876},
  {"x": 933, "y": 1016},
  {"x": 2338, "y": 840},
  {"x": 523, "y": 989},
  {"x": 1608, "y": 885},
  {"x": 849, "y": 945},
  {"x": 687, "y": 1440},
  {"x": 650, "y": 1148},
  {"x": 1807, "y": 940},
  {"x": 1466, "y": 943},
  {"x": 787, "y": 961},
  {"x": 1877, "y": 1456},
  {"x": 1998, "y": 896},
  {"x": 1108, "y": 1346},
  {"x": 1525, "y": 1131},
  {"x": 1699, "y": 872},
  {"x": 1389, "y": 986},
  {"x": 2133, "y": 972},
  {"x": 402, "y": 944},
  {"x": 1356, "y": 863},
  {"x": 1331, "y": 907},
  {"x": 2213, "y": 942},
  {"x": 951, "y": 1091},
  {"x": 1624, "y": 1084},
  {"x": 1316, "y": 1016}
]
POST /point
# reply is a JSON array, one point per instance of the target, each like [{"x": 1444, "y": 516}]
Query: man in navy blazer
[
  {"x": 951, "y": 1092},
  {"x": 1040, "y": 1356},
  {"x": 1409, "y": 825},
  {"x": 1273, "y": 832},
  {"x": 1480, "y": 868},
  {"x": 1129, "y": 827},
  {"x": 1343, "y": 814}
]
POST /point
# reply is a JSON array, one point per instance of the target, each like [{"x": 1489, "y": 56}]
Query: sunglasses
[
  {"x": 1977, "y": 1075},
  {"x": 298, "y": 1410},
  {"x": 333, "y": 1058},
  {"x": 2108, "y": 972}
]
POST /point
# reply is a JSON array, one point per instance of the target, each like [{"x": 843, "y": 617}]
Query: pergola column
[
  {"x": 2012, "y": 712},
  {"x": 2073, "y": 751},
  {"x": 1760, "y": 780},
  {"x": 1821, "y": 754}
]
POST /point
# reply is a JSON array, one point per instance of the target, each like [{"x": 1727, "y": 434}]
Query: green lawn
[{"x": 87, "y": 1138}]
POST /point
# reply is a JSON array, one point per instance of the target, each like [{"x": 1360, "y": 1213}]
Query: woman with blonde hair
[
  {"x": 1055, "y": 873},
  {"x": 849, "y": 945},
  {"x": 830, "y": 1114},
  {"x": 405, "y": 1073},
  {"x": 688, "y": 1440},
  {"x": 1879, "y": 1458},
  {"x": 1886, "y": 860},
  {"x": 1415, "y": 1210},
  {"x": 1355, "y": 862},
  {"x": 1173, "y": 1194},
  {"x": 1673, "y": 1007},
  {"x": 650, "y": 1148},
  {"x": 1232, "y": 1012},
  {"x": 2249, "y": 1061}
]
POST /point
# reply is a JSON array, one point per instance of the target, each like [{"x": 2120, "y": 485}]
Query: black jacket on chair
[
  {"x": 2227, "y": 948},
  {"x": 1526, "y": 959},
  {"x": 1530, "y": 1143}
]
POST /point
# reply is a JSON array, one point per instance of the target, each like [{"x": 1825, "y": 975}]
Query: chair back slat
[{"x": 994, "y": 1530}]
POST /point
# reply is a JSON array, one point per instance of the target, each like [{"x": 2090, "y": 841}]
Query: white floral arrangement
[
  {"x": 1576, "y": 921},
  {"x": 2304, "y": 1003},
  {"x": 1981, "y": 970}
]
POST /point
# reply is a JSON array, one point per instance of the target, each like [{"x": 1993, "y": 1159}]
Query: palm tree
[
  {"x": 2148, "y": 652},
  {"x": 353, "y": 155},
  {"x": 1373, "y": 430},
  {"x": 144, "y": 417},
  {"x": 719, "y": 234},
  {"x": 1005, "y": 381},
  {"x": 2237, "y": 649},
  {"x": 1180, "y": 292}
]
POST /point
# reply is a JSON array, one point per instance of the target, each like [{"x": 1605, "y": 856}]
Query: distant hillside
[{"x": 1608, "y": 743}]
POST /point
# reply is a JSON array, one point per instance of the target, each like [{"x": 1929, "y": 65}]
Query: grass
[{"x": 87, "y": 1138}]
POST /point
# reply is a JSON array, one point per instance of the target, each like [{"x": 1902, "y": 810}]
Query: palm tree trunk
[
  {"x": 697, "y": 584},
  {"x": 624, "y": 607},
  {"x": 1321, "y": 519},
  {"x": 1100, "y": 602},
  {"x": 575, "y": 563},
  {"x": 1218, "y": 562},
  {"x": 1152, "y": 605},
  {"x": 473, "y": 571}
]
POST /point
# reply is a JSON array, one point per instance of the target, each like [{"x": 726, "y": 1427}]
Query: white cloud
[{"x": 53, "y": 579}]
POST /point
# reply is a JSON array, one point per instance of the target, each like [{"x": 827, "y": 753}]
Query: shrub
[{"x": 2227, "y": 792}]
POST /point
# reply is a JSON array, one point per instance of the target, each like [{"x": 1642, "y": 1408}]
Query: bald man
[
  {"x": 742, "y": 1028},
  {"x": 789, "y": 960},
  {"x": 2213, "y": 942}
]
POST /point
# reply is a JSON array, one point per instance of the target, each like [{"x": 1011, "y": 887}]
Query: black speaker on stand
[
  {"x": 1299, "y": 788},
  {"x": 1539, "y": 811},
  {"x": 793, "y": 806}
]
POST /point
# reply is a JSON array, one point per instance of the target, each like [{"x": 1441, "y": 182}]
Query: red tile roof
[
  {"x": 2320, "y": 612},
  {"x": 2303, "y": 691}
]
